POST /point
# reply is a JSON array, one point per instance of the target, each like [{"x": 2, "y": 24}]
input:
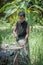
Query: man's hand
[
  {"x": 16, "y": 36},
  {"x": 26, "y": 37}
]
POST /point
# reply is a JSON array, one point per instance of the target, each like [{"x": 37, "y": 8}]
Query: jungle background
[{"x": 34, "y": 15}]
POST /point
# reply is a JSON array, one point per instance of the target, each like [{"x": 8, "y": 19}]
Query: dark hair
[{"x": 21, "y": 14}]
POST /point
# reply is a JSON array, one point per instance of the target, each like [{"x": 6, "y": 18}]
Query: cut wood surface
[{"x": 12, "y": 46}]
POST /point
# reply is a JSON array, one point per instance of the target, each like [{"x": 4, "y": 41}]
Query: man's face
[{"x": 21, "y": 18}]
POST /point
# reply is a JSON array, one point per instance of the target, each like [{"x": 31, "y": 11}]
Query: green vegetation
[
  {"x": 34, "y": 16},
  {"x": 36, "y": 46},
  {"x": 33, "y": 10},
  {"x": 35, "y": 43}
]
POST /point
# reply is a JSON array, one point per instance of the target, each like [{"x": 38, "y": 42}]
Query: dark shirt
[{"x": 21, "y": 29}]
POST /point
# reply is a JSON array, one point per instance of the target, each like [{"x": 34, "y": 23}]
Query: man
[{"x": 21, "y": 32}]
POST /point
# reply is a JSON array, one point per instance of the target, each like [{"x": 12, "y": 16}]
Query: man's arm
[
  {"x": 14, "y": 31},
  {"x": 27, "y": 32}
]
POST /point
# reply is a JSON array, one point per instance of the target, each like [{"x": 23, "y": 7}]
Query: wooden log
[
  {"x": 15, "y": 62},
  {"x": 14, "y": 47}
]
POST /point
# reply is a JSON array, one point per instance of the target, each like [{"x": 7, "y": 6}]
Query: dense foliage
[
  {"x": 34, "y": 15},
  {"x": 33, "y": 10}
]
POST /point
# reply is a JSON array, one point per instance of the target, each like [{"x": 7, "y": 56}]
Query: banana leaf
[{"x": 10, "y": 12}]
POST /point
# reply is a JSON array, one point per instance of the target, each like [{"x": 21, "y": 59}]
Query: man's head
[{"x": 21, "y": 16}]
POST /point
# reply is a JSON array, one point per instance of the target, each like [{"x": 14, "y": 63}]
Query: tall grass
[
  {"x": 35, "y": 43},
  {"x": 36, "y": 46}
]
